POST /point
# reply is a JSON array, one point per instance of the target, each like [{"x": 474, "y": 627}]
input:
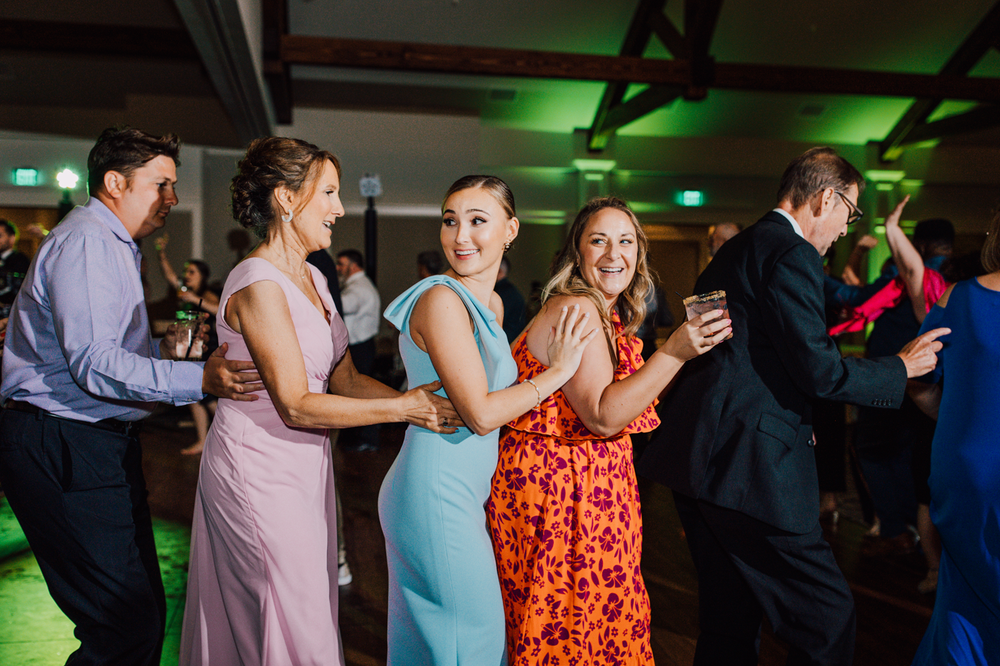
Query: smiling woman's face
[
  {"x": 474, "y": 229},
  {"x": 609, "y": 252}
]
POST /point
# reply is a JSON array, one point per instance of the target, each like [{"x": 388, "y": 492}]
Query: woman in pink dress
[{"x": 262, "y": 587}]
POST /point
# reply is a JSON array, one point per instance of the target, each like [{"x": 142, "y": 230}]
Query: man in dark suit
[
  {"x": 11, "y": 260},
  {"x": 13, "y": 266},
  {"x": 738, "y": 452}
]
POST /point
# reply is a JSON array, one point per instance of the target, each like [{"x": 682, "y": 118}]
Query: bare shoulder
[
  {"x": 943, "y": 301},
  {"x": 437, "y": 313},
  {"x": 552, "y": 309}
]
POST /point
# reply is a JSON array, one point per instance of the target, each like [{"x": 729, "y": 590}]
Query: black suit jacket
[
  {"x": 738, "y": 420},
  {"x": 16, "y": 262}
]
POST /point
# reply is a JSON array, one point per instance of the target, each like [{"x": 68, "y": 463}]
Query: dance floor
[{"x": 892, "y": 615}]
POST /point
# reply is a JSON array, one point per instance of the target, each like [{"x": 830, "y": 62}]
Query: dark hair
[
  {"x": 815, "y": 170},
  {"x": 491, "y": 184},
  {"x": 124, "y": 149},
  {"x": 353, "y": 256},
  {"x": 568, "y": 280},
  {"x": 991, "y": 248},
  {"x": 269, "y": 163},
  {"x": 10, "y": 228},
  {"x": 205, "y": 272},
  {"x": 432, "y": 261},
  {"x": 505, "y": 263},
  {"x": 934, "y": 236}
]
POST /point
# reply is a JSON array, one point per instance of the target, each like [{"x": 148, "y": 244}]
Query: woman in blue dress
[
  {"x": 444, "y": 596},
  {"x": 964, "y": 396}
]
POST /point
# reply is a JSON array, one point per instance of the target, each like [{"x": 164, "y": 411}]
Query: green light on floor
[
  {"x": 25, "y": 177},
  {"x": 691, "y": 198}
]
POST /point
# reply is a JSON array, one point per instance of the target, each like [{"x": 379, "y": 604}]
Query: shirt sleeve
[{"x": 102, "y": 332}]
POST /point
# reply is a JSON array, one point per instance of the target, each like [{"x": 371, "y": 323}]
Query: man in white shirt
[{"x": 361, "y": 313}]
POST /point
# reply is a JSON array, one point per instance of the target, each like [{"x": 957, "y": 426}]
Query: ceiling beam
[
  {"x": 307, "y": 50},
  {"x": 968, "y": 54},
  {"x": 640, "y": 105},
  {"x": 277, "y": 73},
  {"x": 96, "y": 40},
  {"x": 700, "y": 19},
  {"x": 634, "y": 45},
  {"x": 979, "y": 118},
  {"x": 217, "y": 30}
]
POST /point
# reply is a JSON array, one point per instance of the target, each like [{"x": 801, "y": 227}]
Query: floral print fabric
[{"x": 567, "y": 532}]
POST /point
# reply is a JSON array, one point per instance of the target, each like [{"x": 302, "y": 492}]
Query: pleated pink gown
[{"x": 262, "y": 587}]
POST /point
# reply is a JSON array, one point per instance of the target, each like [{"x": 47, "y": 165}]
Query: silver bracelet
[{"x": 537, "y": 392}]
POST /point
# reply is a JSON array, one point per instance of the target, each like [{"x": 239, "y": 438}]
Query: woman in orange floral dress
[{"x": 564, "y": 509}]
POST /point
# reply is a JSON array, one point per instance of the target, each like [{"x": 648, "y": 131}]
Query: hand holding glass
[{"x": 698, "y": 305}]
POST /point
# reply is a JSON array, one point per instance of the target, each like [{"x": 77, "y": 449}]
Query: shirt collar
[
  {"x": 6, "y": 253},
  {"x": 795, "y": 225},
  {"x": 111, "y": 221}
]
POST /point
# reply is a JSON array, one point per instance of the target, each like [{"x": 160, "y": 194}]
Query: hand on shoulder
[{"x": 547, "y": 320}]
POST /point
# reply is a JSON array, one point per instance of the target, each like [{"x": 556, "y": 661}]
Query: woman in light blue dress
[{"x": 444, "y": 596}]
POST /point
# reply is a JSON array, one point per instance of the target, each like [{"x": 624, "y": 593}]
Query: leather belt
[{"x": 127, "y": 428}]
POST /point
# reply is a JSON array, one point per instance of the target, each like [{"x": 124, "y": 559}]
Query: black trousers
[
  {"x": 363, "y": 355},
  {"x": 747, "y": 570},
  {"x": 80, "y": 497}
]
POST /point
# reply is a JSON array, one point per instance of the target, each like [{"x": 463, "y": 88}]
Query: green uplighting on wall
[
  {"x": 884, "y": 176},
  {"x": 691, "y": 198},
  {"x": 25, "y": 177},
  {"x": 594, "y": 165}
]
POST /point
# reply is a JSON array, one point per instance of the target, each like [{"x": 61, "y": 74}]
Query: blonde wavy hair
[{"x": 567, "y": 279}]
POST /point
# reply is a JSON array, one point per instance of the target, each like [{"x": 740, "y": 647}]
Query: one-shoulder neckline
[{"x": 484, "y": 309}]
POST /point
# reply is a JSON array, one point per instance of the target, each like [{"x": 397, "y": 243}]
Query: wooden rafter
[
  {"x": 913, "y": 125},
  {"x": 635, "y": 42},
  {"x": 97, "y": 40},
  {"x": 299, "y": 49},
  {"x": 277, "y": 72},
  {"x": 700, "y": 17}
]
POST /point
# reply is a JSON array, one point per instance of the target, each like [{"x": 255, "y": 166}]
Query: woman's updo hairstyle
[
  {"x": 269, "y": 163},
  {"x": 493, "y": 185}
]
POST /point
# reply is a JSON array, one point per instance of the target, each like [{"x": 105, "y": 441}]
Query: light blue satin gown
[{"x": 444, "y": 595}]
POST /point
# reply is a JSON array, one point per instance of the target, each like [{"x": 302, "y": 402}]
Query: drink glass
[
  {"x": 188, "y": 346},
  {"x": 702, "y": 303}
]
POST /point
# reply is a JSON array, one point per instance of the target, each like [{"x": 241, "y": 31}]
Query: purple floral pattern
[{"x": 567, "y": 532}]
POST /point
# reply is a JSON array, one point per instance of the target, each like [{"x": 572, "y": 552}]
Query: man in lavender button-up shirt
[{"x": 80, "y": 371}]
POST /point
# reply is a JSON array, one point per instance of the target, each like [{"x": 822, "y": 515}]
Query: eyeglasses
[{"x": 855, "y": 213}]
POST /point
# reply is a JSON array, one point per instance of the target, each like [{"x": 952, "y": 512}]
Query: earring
[
  {"x": 506, "y": 247},
  {"x": 287, "y": 217}
]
